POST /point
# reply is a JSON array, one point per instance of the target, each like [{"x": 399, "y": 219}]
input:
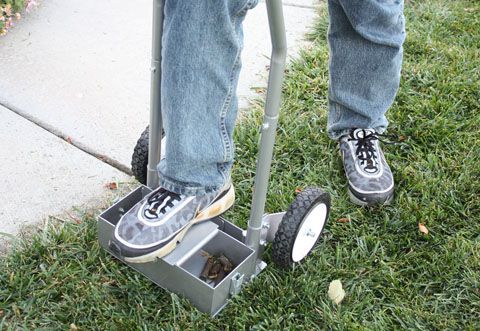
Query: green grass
[{"x": 395, "y": 277}]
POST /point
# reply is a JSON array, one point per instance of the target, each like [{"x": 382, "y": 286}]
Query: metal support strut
[
  {"x": 155, "y": 134},
  {"x": 272, "y": 109}
]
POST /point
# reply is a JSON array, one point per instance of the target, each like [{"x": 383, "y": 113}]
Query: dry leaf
[
  {"x": 298, "y": 190},
  {"x": 422, "y": 228},
  {"x": 336, "y": 292},
  {"x": 73, "y": 327},
  {"x": 343, "y": 220},
  {"x": 111, "y": 186}
]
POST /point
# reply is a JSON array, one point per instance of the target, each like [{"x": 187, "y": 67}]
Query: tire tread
[
  {"x": 288, "y": 229},
  {"x": 140, "y": 157}
]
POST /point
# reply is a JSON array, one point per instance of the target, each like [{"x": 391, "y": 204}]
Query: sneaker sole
[
  {"x": 362, "y": 203},
  {"x": 215, "y": 209}
]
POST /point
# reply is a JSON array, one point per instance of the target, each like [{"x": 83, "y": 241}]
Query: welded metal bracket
[
  {"x": 270, "y": 224},
  {"x": 236, "y": 284}
]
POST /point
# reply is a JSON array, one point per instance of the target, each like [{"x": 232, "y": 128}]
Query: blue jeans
[
  {"x": 365, "y": 39},
  {"x": 201, "y": 64}
]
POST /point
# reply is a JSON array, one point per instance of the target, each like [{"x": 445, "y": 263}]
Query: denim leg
[
  {"x": 365, "y": 39},
  {"x": 202, "y": 42}
]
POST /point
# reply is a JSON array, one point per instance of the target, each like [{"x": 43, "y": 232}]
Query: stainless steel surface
[
  {"x": 272, "y": 108},
  {"x": 196, "y": 238},
  {"x": 179, "y": 271},
  {"x": 270, "y": 223},
  {"x": 236, "y": 284},
  {"x": 155, "y": 136}
]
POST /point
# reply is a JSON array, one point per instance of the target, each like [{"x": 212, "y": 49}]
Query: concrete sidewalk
[{"x": 80, "y": 69}]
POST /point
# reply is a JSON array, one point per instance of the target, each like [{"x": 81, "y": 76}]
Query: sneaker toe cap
[{"x": 120, "y": 249}]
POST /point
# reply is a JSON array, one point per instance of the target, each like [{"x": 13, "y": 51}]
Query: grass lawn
[{"x": 395, "y": 276}]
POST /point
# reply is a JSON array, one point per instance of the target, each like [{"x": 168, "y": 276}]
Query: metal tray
[{"x": 180, "y": 270}]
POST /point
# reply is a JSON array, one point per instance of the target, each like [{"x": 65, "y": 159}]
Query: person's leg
[
  {"x": 365, "y": 38},
  {"x": 202, "y": 42},
  {"x": 201, "y": 65}
]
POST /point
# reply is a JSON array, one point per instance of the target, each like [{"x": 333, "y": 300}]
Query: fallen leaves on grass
[
  {"x": 259, "y": 90},
  {"x": 343, "y": 220},
  {"x": 111, "y": 186},
  {"x": 298, "y": 190},
  {"x": 423, "y": 229},
  {"x": 336, "y": 293}
]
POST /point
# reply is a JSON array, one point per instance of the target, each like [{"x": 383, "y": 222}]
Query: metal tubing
[
  {"x": 155, "y": 135},
  {"x": 272, "y": 108}
]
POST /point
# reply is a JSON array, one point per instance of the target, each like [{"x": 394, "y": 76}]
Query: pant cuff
[
  {"x": 341, "y": 120},
  {"x": 185, "y": 188}
]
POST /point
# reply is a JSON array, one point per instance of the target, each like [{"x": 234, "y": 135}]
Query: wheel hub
[{"x": 309, "y": 231}]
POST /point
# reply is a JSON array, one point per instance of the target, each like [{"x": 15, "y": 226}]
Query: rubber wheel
[
  {"x": 308, "y": 203},
  {"x": 140, "y": 157}
]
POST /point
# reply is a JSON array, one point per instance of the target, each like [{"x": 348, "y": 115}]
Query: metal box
[{"x": 180, "y": 270}]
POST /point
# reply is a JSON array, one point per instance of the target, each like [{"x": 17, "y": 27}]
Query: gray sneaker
[
  {"x": 154, "y": 226},
  {"x": 370, "y": 180}
]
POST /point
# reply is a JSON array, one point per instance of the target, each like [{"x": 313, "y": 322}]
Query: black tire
[
  {"x": 289, "y": 227},
  {"x": 140, "y": 157}
]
